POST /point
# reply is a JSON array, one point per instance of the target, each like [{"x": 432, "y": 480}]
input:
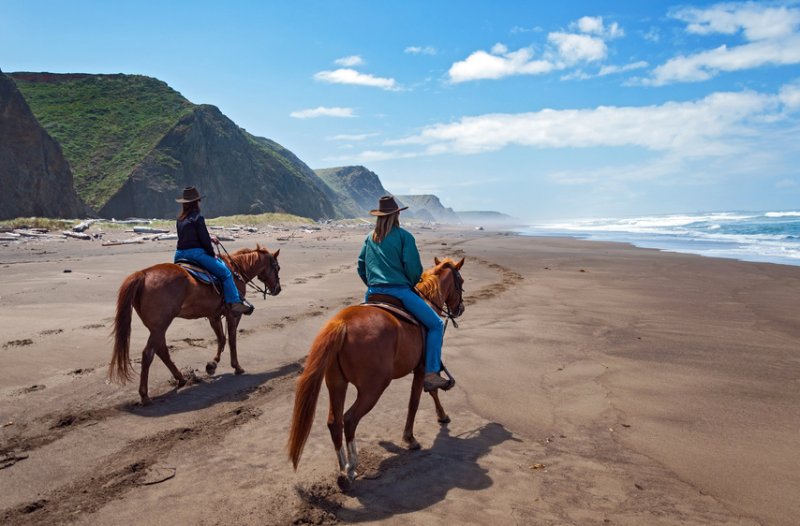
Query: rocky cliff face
[
  {"x": 235, "y": 172},
  {"x": 360, "y": 185},
  {"x": 417, "y": 204},
  {"x": 35, "y": 178}
]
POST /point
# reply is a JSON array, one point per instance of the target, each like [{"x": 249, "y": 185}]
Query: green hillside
[{"x": 106, "y": 124}]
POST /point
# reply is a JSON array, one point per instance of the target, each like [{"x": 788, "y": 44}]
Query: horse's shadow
[
  {"x": 226, "y": 387},
  {"x": 410, "y": 481}
]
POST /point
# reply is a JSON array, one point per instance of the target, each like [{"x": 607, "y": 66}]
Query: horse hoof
[
  {"x": 211, "y": 367},
  {"x": 239, "y": 370},
  {"x": 413, "y": 445},
  {"x": 344, "y": 482},
  {"x": 146, "y": 401},
  {"x": 444, "y": 420},
  {"x": 181, "y": 383}
]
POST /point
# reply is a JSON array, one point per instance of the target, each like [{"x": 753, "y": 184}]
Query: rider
[
  {"x": 194, "y": 245},
  {"x": 389, "y": 264}
]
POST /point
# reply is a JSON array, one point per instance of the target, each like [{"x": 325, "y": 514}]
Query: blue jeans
[
  {"x": 214, "y": 265},
  {"x": 424, "y": 313}
]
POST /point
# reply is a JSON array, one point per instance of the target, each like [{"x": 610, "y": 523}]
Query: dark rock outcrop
[
  {"x": 360, "y": 186},
  {"x": 35, "y": 178},
  {"x": 430, "y": 204},
  {"x": 236, "y": 172}
]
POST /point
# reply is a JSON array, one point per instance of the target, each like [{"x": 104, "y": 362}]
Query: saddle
[
  {"x": 202, "y": 275},
  {"x": 393, "y": 306}
]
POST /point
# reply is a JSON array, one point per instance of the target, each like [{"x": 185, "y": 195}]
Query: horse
[
  {"x": 368, "y": 347},
  {"x": 167, "y": 291}
]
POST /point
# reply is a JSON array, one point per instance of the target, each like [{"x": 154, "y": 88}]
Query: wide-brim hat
[
  {"x": 190, "y": 195},
  {"x": 387, "y": 206}
]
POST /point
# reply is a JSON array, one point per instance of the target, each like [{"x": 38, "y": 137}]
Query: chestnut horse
[
  {"x": 368, "y": 347},
  {"x": 166, "y": 291}
]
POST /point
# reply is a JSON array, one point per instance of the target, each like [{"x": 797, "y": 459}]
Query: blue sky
[{"x": 541, "y": 110}]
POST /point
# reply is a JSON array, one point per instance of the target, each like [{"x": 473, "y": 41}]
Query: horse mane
[
  {"x": 247, "y": 250},
  {"x": 429, "y": 284}
]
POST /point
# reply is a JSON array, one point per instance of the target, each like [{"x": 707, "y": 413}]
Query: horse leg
[
  {"x": 441, "y": 415},
  {"x": 216, "y": 324},
  {"x": 233, "y": 324},
  {"x": 337, "y": 391},
  {"x": 147, "y": 359},
  {"x": 163, "y": 352},
  {"x": 413, "y": 405},
  {"x": 365, "y": 401}
]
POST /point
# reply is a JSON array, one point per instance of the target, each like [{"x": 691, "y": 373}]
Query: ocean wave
[{"x": 782, "y": 214}]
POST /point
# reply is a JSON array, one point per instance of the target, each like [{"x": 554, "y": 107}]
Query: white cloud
[
  {"x": 352, "y": 137},
  {"x": 771, "y": 33},
  {"x": 351, "y": 76},
  {"x": 611, "y": 69},
  {"x": 420, "y": 50},
  {"x": 497, "y": 64},
  {"x": 790, "y": 96},
  {"x": 371, "y": 156},
  {"x": 573, "y": 48},
  {"x": 707, "y": 64},
  {"x": 519, "y": 29},
  {"x": 705, "y": 127},
  {"x": 322, "y": 111},
  {"x": 348, "y": 62},
  {"x": 756, "y": 21},
  {"x": 594, "y": 25}
]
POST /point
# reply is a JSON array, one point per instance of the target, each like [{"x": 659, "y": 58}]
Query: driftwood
[
  {"x": 28, "y": 233},
  {"x": 84, "y": 225},
  {"x": 149, "y": 230},
  {"x": 9, "y": 236},
  {"x": 77, "y": 235},
  {"x": 134, "y": 241},
  {"x": 165, "y": 237}
]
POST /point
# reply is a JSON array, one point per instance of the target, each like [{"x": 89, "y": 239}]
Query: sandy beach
[{"x": 598, "y": 383}]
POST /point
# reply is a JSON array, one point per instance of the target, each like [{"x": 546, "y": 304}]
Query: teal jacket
[{"x": 393, "y": 261}]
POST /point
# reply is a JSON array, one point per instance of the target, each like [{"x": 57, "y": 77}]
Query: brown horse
[
  {"x": 369, "y": 347},
  {"x": 166, "y": 291}
]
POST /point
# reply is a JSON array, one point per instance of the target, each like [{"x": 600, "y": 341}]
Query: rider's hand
[{"x": 215, "y": 240}]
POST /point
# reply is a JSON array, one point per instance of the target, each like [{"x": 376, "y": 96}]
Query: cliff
[
  {"x": 35, "y": 178},
  {"x": 417, "y": 204},
  {"x": 134, "y": 143},
  {"x": 359, "y": 187}
]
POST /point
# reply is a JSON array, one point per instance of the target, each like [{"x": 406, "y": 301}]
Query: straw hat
[
  {"x": 190, "y": 195},
  {"x": 387, "y": 206}
]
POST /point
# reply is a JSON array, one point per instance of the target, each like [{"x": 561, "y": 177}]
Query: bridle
[
  {"x": 248, "y": 280},
  {"x": 445, "y": 308}
]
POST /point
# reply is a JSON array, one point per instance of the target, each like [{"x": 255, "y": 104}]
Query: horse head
[
  {"x": 269, "y": 269},
  {"x": 451, "y": 286}
]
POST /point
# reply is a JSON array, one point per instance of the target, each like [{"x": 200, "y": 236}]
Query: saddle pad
[{"x": 199, "y": 273}]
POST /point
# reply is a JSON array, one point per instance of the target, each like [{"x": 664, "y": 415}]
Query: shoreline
[{"x": 652, "y": 387}]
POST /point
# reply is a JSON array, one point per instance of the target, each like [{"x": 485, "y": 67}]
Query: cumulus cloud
[
  {"x": 702, "y": 128},
  {"x": 594, "y": 25},
  {"x": 573, "y": 48},
  {"x": 420, "y": 50},
  {"x": 348, "y": 62},
  {"x": 322, "y": 111},
  {"x": 351, "y": 76},
  {"x": 497, "y": 64},
  {"x": 771, "y": 33}
]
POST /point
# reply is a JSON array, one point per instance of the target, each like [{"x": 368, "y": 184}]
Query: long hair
[
  {"x": 384, "y": 225},
  {"x": 188, "y": 208}
]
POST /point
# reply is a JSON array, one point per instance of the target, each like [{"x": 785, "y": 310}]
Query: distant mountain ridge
[
  {"x": 360, "y": 187},
  {"x": 134, "y": 143},
  {"x": 35, "y": 178},
  {"x": 429, "y": 205}
]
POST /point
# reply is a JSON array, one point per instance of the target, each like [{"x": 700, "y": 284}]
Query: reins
[{"x": 247, "y": 281}]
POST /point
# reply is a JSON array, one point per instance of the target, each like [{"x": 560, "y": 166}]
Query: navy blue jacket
[{"x": 192, "y": 233}]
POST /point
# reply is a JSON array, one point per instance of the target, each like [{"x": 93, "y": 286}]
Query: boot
[
  {"x": 433, "y": 381},
  {"x": 242, "y": 307}
]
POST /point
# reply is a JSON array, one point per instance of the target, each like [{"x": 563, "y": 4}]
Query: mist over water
[{"x": 772, "y": 237}]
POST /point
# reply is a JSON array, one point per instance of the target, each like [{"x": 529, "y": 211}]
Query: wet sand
[{"x": 597, "y": 384}]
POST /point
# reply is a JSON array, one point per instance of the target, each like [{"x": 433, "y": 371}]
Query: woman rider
[
  {"x": 194, "y": 245},
  {"x": 389, "y": 264}
]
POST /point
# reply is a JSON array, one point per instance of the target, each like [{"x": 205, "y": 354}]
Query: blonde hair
[{"x": 384, "y": 225}]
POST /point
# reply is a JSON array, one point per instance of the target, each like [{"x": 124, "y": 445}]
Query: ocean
[{"x": 772, "y": 237}]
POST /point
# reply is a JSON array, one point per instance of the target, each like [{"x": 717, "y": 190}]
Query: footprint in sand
[{"x": 18, "y": 343}]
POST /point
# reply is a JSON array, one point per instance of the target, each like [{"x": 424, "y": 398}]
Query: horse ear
[
  {"x": 436, "y": 261},
  {"x": 275, "y": 254},
  {"x": 459, "y": 264}
]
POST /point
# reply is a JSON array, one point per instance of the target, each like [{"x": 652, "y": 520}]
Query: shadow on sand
[
  {"x": 410, "y": 481},
  {"x": 226, "y": 387}
]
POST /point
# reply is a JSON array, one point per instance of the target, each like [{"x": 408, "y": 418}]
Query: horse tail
[
  {"x": 326, "y": 346},
  {"x": 120, "y": 369}
]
